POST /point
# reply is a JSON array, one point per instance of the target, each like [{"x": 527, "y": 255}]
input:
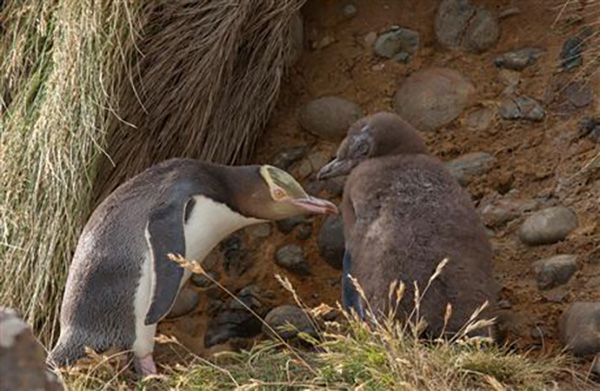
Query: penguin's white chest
[{"x": 207, "y": 224}]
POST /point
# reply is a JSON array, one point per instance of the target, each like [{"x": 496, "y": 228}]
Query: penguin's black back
[{"x": 403, "y": 215}]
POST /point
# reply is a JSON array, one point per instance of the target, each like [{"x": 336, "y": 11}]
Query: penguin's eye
[{"x": 279, "y": 194}]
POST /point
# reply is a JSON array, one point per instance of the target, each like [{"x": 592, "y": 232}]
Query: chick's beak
[
  {"x": 334, "y": 168},
  {"x": 315, "y": 205}
]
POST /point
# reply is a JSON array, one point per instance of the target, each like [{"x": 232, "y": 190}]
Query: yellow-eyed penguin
[
  {"x": 403, "y": 214},
  {"x": 121, "y": 283}
]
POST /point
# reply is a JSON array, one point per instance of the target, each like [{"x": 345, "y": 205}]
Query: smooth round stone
[
  {"x": 22, "y": 357},
  {"x": 399, "y": 44},
  {"x": 260, "y": 230},
  {"x": 451, "y": 21},
  {"x": 331, "y": 241},
  {"x": 580, "y": 328},
  {"x": 202, "y": 281},
  {"x": 555, "y": 271},
  {"x": 548, "y": 226},
  {"x": 186, "y": 302},
  {"x": 349, "y": 11},
  {"x": 467, "y": 167},
  {"x": 460, "y": 24},
  {"x": 291, "y": 257},
  {"x": 329, "y": 117},
  {"x": 281, "y": 317},
  {"x": 522, "y": 107},
  {"x": 518, "y": 60},
  {"x": 433, "y": 97},
  {"x": 483, "y": 31}
]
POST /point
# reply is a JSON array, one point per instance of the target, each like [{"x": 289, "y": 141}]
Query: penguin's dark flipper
[
  {"x": 166, "y": 235},
  {"x": 350, "y": 296}
]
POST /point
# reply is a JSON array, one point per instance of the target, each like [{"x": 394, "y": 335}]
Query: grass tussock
[
  {"x": 58, "y": 61},
  {"x": 205, "y": 86},
  {"x": 347, "y": 354},
  {"x": 85, "y": 85}
]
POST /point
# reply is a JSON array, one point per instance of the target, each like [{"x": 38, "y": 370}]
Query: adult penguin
[
  {"x": 121, "y": 283},
  {"x": 403, "y": 214}
]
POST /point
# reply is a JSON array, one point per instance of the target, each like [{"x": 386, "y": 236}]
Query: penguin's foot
[{"x": 145, "y": 365}]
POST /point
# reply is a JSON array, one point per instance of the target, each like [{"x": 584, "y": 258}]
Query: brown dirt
[{"x": 532, "y": 157}]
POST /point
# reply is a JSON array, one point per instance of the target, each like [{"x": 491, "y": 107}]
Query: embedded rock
[
  {"x": 329, "y": 117},
  {"x": 548, "y": 226},
  {"x": 287, "y": 321},
  {"x": 433, "y": 97},
  {"x": 22, "y": 357}
]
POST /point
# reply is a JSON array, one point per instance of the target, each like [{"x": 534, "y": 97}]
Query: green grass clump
[
  {"x": 350, "y": 354},
  {"x": 348, "y": 357}
]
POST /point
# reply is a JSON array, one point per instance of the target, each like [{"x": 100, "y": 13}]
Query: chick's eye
[
  {"x": 278, "y": 193},
  {"x": 362, "y": 149}
]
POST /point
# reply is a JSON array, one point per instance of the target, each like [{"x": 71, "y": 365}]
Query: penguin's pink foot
[{"x": 145, "y": 365}]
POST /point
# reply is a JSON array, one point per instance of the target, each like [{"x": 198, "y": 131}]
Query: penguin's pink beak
[{"x": 315, "y": 205}]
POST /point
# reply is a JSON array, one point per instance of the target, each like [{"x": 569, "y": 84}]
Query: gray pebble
[
  {"x": 578, "y": 94},
  {"x": 313, "y": 163},
  {"x": 580, "y": 328},
  {"x": 286, "y": 158},
  {"x": 187, "y": 300},
  {"x": 467, "y": 167},
  {"x": 483, "y": 31},
  {"x": 260, "y": 230},
  {"x": 304, "y": 231},
  {"x": 555, "y": 271},
  {"x": 548, "y": 226},
  {"x": 518, "y": 60},
  {"x": 458, "y": 23},
  {"x": 349, "y": 11},
  {"x": 291, "y": 257},
  {"x": 247, "y": 297},
  {"x": 280, "y": 319},
  {"x": 329, "y": 117},
  {"x": 331, "y": 241},
  {"x": 480, "y": 119},
  {"x": 201, "y": 281},
  {"x": 571, "y": 53},
  {"x": 22, "y": 357},
  {"x": 522, "y": 107},
  {"x": 286, "y": 226},
  {"x": 370, "y": 38},
  {"x": 555, "y": 295},
  {"x": 451, "y": 21},
  {"x": 500, "y": 211},
  {"x": 400, "y": 44},
  {"x": 236, "y": 260},
  {"x": 590, "y": 127},
  {"x": 231, "y": 324}
]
